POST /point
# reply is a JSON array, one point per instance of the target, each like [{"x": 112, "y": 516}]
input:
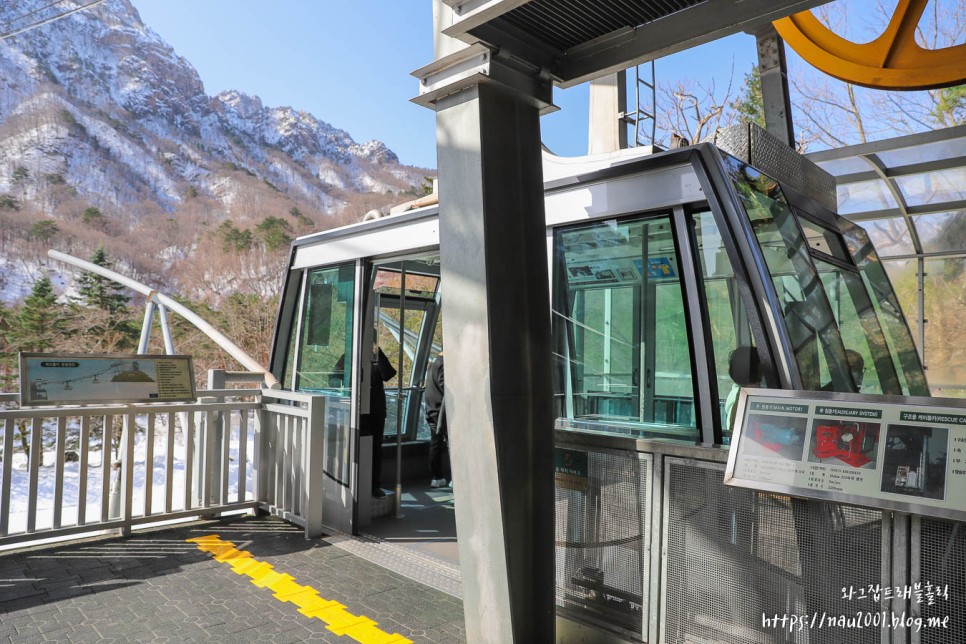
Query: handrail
[
  {"x": 200, "y": 474},
  {"x": 154, "y": 296}
]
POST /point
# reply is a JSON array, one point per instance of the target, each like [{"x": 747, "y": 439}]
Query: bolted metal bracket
[{"x": 477, "y": 64}]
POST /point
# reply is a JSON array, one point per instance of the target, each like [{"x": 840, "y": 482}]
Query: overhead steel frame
[{"x": 773, "y": 72}]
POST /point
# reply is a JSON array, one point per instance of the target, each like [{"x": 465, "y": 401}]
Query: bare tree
[{"x": 693, "y": 110}]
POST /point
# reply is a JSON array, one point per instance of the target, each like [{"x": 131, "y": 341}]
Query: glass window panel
[
  {"x": 404, "y": 392},
  {"x": 904, "y": 278},
  {"x": 942, "y": 232},
  {"x": 945, "y": 302},
  {"x": 865, "y": 196},
  {"x": 808, "y": 318},
  {"x": 933, "y": 187},
  {"x": 390, "y": 281},
  {"x": 388, "y": 315},
  {"x": 848, "y": 165},
  {"x": 923, "y": 153},
  {"x": 896, "y": 331},
  {"x": 325, "y": 348},
  {"x": 823, "y": 240},
  {"x": 890, "y": 236},
  {"x": 727, "y": 317},
  {"x": 620, "y": 333},
  {"x": 870, "y": 362}
]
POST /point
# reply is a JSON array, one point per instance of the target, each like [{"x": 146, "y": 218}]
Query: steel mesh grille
[
  {"x": 563, "y": 24},
  {"x": 601, "y": 553},
  {"x": 734, "y": 555},
  {"x": 942, "y": 554}
]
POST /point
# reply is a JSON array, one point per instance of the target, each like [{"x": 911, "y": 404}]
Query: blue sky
[{"x": 349, "y": 64}]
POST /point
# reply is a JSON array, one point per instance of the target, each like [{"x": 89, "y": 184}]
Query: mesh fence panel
[
  {"x": 942, "y": 560},
  {"x": 735, "y": 556},
  {"x": 601, "y": 544}
]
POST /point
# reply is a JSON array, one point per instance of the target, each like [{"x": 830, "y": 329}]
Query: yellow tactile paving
[{"x": 284, "y": 588}]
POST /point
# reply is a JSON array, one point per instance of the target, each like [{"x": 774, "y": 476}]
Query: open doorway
[{"x": 403, "y": 319}]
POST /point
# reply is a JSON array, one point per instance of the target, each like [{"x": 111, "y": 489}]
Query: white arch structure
[{"x": 161, "y": 302}]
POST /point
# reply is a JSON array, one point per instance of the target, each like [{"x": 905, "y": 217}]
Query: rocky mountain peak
[{"x": 128, "y": 92}]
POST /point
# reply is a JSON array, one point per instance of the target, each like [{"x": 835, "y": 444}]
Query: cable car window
[
  {"x": 815, "y": 337},
  {"x": 823, "y": 240},
  {"x": 408, "y": 329},
  {"x": 621, "y": 338},
  {"x": 867, "y": 354},
  {"x": 727, "y": 317},
  {"x": 898, "y": 338},
  {"x": 325, "y": 346}
]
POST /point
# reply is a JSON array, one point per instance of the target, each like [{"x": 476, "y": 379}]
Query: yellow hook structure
[{"x": 894, "y": 60}]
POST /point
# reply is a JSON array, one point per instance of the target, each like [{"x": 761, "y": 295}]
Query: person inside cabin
[
  {"x": 373, "y": 423},
  {"x": 744, "y": 368},
  {"x": 436, "y": 419}
]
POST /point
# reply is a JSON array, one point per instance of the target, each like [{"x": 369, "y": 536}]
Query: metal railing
[
  {"x": 294, "y": 450},
  {"x": 70, "y": 471}
]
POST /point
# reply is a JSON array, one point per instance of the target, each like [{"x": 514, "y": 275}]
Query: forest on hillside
[{"x": 224, "y": 263}]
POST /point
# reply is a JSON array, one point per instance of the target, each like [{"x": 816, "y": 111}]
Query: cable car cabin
[{"x": 663, "y": 267}]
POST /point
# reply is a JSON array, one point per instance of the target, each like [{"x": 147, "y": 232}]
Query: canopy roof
[
  {"x": 909, "y": 192},
  {"x": 576, "y": 40}
]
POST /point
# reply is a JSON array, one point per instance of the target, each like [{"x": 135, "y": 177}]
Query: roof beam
[
  {"x": 902, "y": 171},
  {"x": 890, "y": 145}
]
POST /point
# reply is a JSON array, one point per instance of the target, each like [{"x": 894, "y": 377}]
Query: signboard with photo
[
  {"x": 89, "y": 379},
  {"x": 880, "y": 451}
]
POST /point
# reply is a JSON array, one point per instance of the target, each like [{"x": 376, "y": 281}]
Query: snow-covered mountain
[
  {"x": 98, "y": 112},
  {"x": 99, "y": 93}
]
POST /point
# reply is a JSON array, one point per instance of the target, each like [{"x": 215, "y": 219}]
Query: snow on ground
[{"x": 20, "y": 479}]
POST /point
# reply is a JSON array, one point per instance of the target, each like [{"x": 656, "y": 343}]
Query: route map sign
[
  {"x": 86, "y": 379},
  {"x": 892, "y": 452}
]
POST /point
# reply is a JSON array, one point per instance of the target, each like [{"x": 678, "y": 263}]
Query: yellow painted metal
[
  {"x": 894, "y": 60},
  {"x": 262, "y": 574}
]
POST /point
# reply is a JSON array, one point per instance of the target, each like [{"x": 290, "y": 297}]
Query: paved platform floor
[{"x": 157, "y": 586}]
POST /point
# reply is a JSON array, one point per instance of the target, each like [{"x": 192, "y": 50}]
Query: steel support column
[
  {"x": 607, "y": 114},
  {"x": 773, "y": 71},
  {"x": 496, "y": 336}
]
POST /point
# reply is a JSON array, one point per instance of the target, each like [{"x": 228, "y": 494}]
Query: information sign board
[
  {"x": 88, "y": 379},
  {"x": 891, "y": 452},
  {"x": 570, "y": 469}
]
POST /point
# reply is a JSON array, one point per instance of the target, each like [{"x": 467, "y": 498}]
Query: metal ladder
[{"x": 643, "y": 117}]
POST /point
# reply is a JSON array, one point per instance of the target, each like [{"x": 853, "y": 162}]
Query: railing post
[
  {"x": 216, "y": 438},
  {"x": 263, "y": 456},
  {"x": 127, "y": 468},
  {"x": 114, "y": 511},
  {"x": 122, "y": 475},
  {"x": 314, "y": 463}
]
